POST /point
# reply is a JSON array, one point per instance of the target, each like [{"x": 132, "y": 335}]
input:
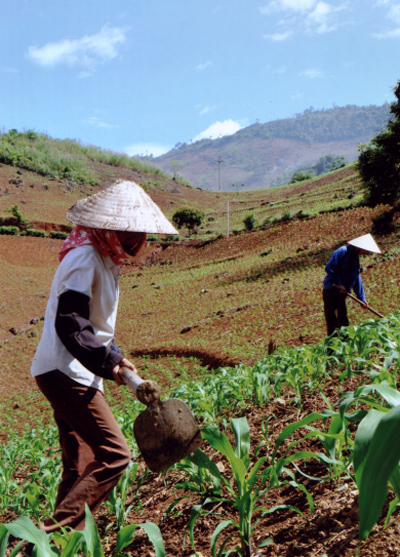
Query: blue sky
[{"x": 140, "y": 76}]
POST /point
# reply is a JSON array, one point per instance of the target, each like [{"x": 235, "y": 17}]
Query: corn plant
[
  {"x": 251, "y": 484},
  {"x": 117, "y": 499},
  {"x": 376, "y": 464},
  {"x": 69, "y": 543}
]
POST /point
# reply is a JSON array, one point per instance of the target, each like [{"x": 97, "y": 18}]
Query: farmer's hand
[
  {"x": 342, "y": 289},
  {"x": 123, "y": 363},
  {"x": 365, "y": 305}
]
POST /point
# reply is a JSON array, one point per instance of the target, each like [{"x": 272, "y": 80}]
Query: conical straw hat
[
  {"x": 122, "y": 206},
  {"x": 365, "y": 242}
]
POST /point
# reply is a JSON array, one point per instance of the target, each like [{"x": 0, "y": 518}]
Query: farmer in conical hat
[
  {"x": 343, "y": 273},
  {"x": 77, "y": 348}
]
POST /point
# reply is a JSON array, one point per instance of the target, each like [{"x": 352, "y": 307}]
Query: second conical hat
[
  {"x": 122, "y": 206},
  {"x": 365, "y": 242}
]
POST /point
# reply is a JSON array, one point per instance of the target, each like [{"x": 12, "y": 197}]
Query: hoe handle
[
  {"x": 361, "y": 303},
  {"x": 146, "y": 391}
]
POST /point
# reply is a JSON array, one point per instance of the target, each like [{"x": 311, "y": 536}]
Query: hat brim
[{"x": 124, "y": 206}]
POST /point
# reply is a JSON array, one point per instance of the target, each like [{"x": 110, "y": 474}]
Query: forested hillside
[{"x": 264, "y": 155}]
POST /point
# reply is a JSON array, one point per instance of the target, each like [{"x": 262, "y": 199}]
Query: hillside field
[{"x": 188, "y": 307}]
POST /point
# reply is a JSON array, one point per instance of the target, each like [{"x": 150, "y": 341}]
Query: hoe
[{"x": 166, "y": 431}]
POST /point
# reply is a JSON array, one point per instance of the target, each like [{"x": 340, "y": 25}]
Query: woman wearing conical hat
[
  {"x": 77, "y": 348},
  {"x": 343, "y": 274}
]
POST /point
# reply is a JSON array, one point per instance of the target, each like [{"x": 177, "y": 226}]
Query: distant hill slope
[{"x": 264, "y": 155}]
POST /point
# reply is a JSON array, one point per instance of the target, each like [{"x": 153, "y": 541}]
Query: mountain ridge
[{"x": 266, "y": 155}]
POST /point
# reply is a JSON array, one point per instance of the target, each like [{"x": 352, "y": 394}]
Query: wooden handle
[
  {"x": 131, "y": 378},
  {"x": 361, "y": 302},
  {"x": 147, "y": 392}
]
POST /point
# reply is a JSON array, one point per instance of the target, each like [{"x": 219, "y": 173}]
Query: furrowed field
[{"x": 235, "y": 327}]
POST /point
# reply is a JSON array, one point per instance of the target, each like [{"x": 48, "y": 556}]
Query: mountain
[{"x": 265, "y": 155}]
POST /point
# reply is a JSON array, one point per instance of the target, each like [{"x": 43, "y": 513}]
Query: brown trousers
[
  {"x": 94, "y": 451},
  {"x": 335, "y": 310}
]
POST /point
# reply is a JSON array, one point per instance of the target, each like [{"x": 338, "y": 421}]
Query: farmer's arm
[
  {"x": 332, "y": 269},
  {"x": 359, "y": 290},
  {"x": 76, "y": 333}
]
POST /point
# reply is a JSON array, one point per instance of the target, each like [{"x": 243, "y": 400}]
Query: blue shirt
[{"x": 343, "y": 269}]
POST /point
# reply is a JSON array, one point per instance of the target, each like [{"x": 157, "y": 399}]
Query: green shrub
[
  {"x": 286, "y": 215},
  {"x": 301, "y": 176},
  {"x": 250, "y": 222},
  {"x": 301, "y": 214},
  {"x": 188, "y": 218},
  {"x": 10, "y": 230},
  {"x": 33, "y": 232},
  {"x": 58, "y": 235},
  {"x": 17, "y": 215}
]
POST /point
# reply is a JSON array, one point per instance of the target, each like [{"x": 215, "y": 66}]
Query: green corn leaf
[
  {"x": 4, "y": 534},
  {"x": 303, "y": 488},
  {"x": 392, "y": 507},
  {"x": 252, "y": 476},
  {"x": 389, "y": 394},
  {"x": 24, "y": 529},
  {"x": 91, "y": 535},
  {"x": 74, "y": 541},
  {"x": 221, "y": 443},
  {"x": 305, "y": 421},
  {"x": 125, "y": 537},
  {"x": 154, "y": 534},
  {"x": 216, "y": 533},
  {"x": 200, "y": 459},
  {"x": 240, "y": 428},
  {"x": 264, "y": 543},
  {"x": 362, "y": 441},
  {"x": 279, "y": 507},
  {"x": 379, "y": 462},
  {"x": 195, "y": 512},
  {"x": 394, "y": 480},
  {"x": 17, "y": 549}
]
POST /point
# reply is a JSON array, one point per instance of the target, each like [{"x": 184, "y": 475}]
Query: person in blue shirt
[{"x": 343, "y": 274}]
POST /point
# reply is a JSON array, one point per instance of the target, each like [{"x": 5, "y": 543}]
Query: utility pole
[{"x": 219, "y": 161}]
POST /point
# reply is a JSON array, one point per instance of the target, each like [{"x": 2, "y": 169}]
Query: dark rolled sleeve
[{"x": 77, "y": 335}]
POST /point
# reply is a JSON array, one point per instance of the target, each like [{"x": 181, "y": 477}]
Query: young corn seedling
[
  {"x": 117, "y": 500},
  {"x": 251, "y": 484},
  {"x": 70, "y": 543}
]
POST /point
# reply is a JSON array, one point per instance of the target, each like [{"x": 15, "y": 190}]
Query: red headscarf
[{"x": 105, "y": 241}]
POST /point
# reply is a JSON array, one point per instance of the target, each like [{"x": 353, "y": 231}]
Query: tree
[
  {"x": 250, "y": 222},
  {"x": 379, "y": 162},
  {"x": 301, "y": 176},
  {"x": 188, "y": 218}
]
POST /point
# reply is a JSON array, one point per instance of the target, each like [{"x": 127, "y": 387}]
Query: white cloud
[
  {"x": 219, "y": 129},
  {"x": 95, "y": 121},
  {"x": 315, "y": 16},
  {"x": 86, "y": 52},
  {"x": 279, "y": 36},
  {"x": 320, "y": 16},
  {"x": 146, "y": 149},
  {"x": 313, "y": 73},
  {"x": 288, "y": 5},
  {"x": 394, "y": 34},
  {"x": 394, "y": 13},
  {"x": 205, "y": 109},
  {"x": 205, "y": 65}
]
